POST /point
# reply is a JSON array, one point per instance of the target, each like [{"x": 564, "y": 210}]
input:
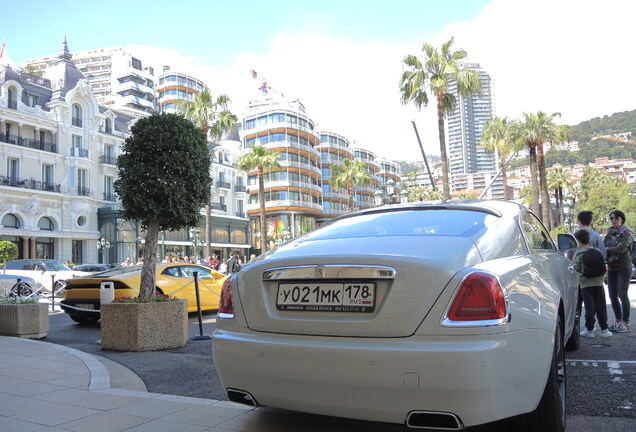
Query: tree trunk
[
  {"x": 504, "y": 178},
  {"x": 352, "y": 200},
  {"x": 533, "y": 180},
  {"x": 546, "y": 208},
  {"x": 207, "y": 231},
  {"x": 442, "y": 147},
  {"x": 148, "y": 276},
  {"x": 261, "y": 200}
]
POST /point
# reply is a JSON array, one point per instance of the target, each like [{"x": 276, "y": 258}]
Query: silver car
[
  {"x": 444, "y": 315},
  {"x": 11, "y": 286}
]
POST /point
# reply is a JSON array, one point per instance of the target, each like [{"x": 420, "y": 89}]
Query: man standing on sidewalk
[{"x": 233, "y": 265}]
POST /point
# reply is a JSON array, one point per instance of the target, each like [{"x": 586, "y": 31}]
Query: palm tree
[
  {"x": 558, "y": 179},
  {"x": 533, "y": 132},
  {"x": 203, "y": 112},
  {"x": 436, "y": 73},
  {"x": 260, "y": 159},
  {"x": 348, "y": 175},
  {"x": 494, "y": 137}
]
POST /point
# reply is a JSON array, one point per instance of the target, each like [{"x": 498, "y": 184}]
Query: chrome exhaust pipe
[
  {"x": 242, "y": 397},
  {"x": 433, "y": 420}
]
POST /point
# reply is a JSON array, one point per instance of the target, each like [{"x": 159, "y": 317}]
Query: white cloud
[{"x": 574, "y": 57}]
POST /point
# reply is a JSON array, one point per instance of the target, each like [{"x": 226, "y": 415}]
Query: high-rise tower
[{"x": 465, "y": 124}]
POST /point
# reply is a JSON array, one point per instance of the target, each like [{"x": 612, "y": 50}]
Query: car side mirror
[{"x": 566, "y": 242}]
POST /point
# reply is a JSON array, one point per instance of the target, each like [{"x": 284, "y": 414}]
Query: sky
[{"x": 343, "y": 59}]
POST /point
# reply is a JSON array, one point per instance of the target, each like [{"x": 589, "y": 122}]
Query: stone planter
[
  {"x": 144, "y": 326},
  {"x": 24, "y": 320}
]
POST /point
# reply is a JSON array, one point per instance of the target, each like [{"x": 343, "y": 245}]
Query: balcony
[
  {"x": 29, "y": 184},
  {"x": 83, "y": 191},
  {"x": 12, "y": 104},
  {"x": 107, "y": 159},
  {"x": 218, "y": 206},
  {"x": 240, "y": 214},
  {"x": 76, "y": 121},
  {"x": 27, "y": 142},
  {"x": 78, "y": 152},
  {"x": 110, "y": 196},
  {"x": 240, "y": 188},
  {"x": 224, "y": 185}
]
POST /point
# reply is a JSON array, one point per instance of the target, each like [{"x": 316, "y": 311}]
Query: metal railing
[
  {"x": 239, "y": 188},
  {"x": 110, "y": 197},
  {"x": 110, "y": 160},
  {"x": 224, "y": 185},
  {"x": 79, "y": 152},
  {"x": 28, "y": 142},
  {"x": 218, "y": 206},
  {"x": 29, "y": 184},
  {"x": 83, "y": 191},
  {"x": 12, "y": 104},
  {"x": 76, "y": 121}
]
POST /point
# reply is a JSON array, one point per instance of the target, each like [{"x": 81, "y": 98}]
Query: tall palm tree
[
  {"x": 494, "y": 137},
  {"x": 533, "y": 131},
  {"x": 260, "y": 159},
  {"x": 558, "y": 179},
  {"x": 203, "y": 111},
  {"x": 436, "y": 73},
  {"x": 348, "y": 175}
]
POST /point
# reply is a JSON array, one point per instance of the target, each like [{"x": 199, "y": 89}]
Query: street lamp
[
  {"x": 567, "y": 212},
  {"x": 195, "y": 237},
  {"x": 103, "y": 246},
  {"x": 392, "y": 197}
]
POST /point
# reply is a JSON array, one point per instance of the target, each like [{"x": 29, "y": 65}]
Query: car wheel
[
  {"x": 82, "y": 319},
  {"x": 574, "y": 341},
  {"x": 21, "y": 289},
  {"x": 550, "y": 415}
]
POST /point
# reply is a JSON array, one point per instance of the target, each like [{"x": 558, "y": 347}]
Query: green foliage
[
  {"x": 604, "y": 199},
  {"x": 8, "y": 251},
  {"x": 619, "y": 122},
  {"x": 164, "y": 172},
  {"x": 21, "y": 300}
]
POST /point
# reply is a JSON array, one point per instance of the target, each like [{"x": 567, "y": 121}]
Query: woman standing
[{"x": 619, "y": 269}]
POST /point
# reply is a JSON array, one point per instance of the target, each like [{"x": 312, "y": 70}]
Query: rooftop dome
[{"x": 63, "y": 74}]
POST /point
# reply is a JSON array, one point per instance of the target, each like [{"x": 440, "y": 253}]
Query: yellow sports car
[{"x": 82, "y": 295}]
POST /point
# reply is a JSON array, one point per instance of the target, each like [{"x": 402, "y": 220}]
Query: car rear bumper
[{"x": 478, "y": 379}]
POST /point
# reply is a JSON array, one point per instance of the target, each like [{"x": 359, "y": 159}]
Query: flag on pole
[{"x": 2, "y": 49}]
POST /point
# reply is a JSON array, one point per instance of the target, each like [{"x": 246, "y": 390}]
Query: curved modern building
[
  {"x": 174, "y": 87},
  {"x": 293, "y": 193},
  {"x": 365, "y": 194},
  {"x": 334, "y": 148}
]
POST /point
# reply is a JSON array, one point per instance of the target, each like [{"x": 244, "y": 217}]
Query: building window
[
  {"x": 76, "y": 251},
  {"x": 10, "y": 221},
  {"x": 45, "y": 224},
  {"x": 47, "y": 175},
  {"x": 13, "y": 169},
  {"x": 109, "y": 194},
  {"x": 33, "y": 100},
  {"x": 77, "y": 115},
  {"x": 82, "y": 182},
  {"x": 107, "y": 126},
  {"x": 11, "y": 100}
]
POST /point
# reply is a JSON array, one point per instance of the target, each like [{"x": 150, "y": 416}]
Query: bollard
[
  {"x": 196, "y": 289},
  {"x": 52, "y": 292},
  {"x": 106, "y": 292}
]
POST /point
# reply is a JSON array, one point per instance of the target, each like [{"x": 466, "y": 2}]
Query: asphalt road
[{"x": 601, "y": 374}]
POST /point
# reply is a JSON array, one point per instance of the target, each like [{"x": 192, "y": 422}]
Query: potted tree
[
  {"x": 164, "y": 181},
  {"x": 21, "y": 316}
]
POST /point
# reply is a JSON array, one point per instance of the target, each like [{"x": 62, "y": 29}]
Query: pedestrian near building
[
  {"x": 223, "y": 266},
  {"x": 590, "y": 265},
  {"x": 618, "y": 242},
  {"x": 233, "y": 264}
]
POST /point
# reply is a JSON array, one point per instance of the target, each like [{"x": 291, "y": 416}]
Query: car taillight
[
  {"x": 226, "y": 307},
  {"x": 479, "y": 298}
]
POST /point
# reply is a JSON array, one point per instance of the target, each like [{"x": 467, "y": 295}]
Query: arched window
[
  {"x": 45, "y": 224},
  {"x": 10, "y": 221},
  {"x": 77, "y": 115},
  {"x": 13, "y": 103},
  {"x": 107, "y": 126}
]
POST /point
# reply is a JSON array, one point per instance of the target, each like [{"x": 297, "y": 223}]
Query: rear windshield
[{"x": 429, "y": 222}]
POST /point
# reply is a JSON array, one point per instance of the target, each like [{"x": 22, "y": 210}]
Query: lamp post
[
  {"x": 195, "y": 237},
  {"x": 567, "y": 212},
  {"x": 103, "y": 246},
  {"x": 392, "y": 197}
]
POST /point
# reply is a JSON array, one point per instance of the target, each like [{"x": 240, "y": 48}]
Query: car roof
[{"x": 497, "y": 208}]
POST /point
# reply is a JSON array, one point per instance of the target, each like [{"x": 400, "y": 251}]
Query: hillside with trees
[{"x": 591, "y": 149}]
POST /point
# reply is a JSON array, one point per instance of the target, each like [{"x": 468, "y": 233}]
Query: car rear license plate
[
  {"x": 326, "y": 297},
  {"x": 89, "y": 306}
]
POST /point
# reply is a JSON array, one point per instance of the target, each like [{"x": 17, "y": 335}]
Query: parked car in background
[
  {"x": 445, "y": 315},
  {"x": 87, "y": 269},
  {"x": 12, "y": 286},
  {"x": 51, "y": 274},
  {"x": 82, "y": 294}
]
